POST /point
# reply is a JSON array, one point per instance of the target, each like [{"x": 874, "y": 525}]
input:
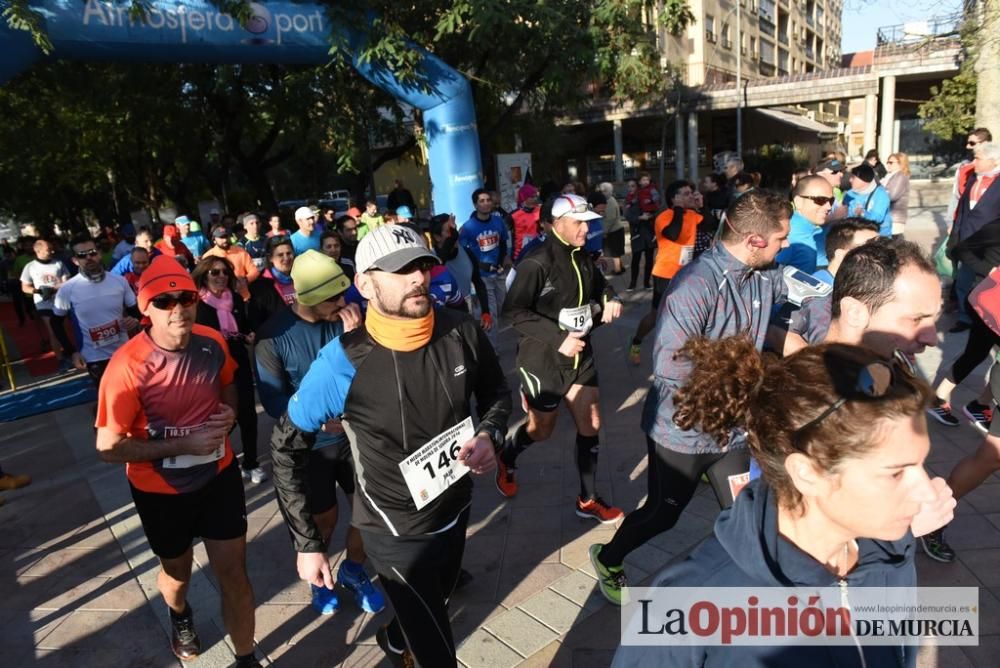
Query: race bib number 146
[{"x": 435, "y": 467}]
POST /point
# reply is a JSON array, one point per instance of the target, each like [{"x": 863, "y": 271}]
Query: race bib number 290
[{"x": 435, "y": 467}]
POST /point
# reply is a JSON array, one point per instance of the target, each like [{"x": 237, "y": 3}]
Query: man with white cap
[
  {"x": 286, "y": 345},
  {"x": 307, "y": 237},
  {"x": 553, "y": 303},
  {"x": 194, "y": 240},
  {"x": 423, "y": 366}
]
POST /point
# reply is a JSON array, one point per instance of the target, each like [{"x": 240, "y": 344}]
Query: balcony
[
  {"x": 710, "y": 36},
  {"x": 766, "y": 27},
  {"x": 920, "y": 31},
  {"x": 766, "y": 69}
]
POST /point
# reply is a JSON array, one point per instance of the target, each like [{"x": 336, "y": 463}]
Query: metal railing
[{"x": 917, "y": 31}]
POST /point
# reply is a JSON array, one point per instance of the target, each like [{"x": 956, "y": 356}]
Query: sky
[{"x": 863, "y": 18}]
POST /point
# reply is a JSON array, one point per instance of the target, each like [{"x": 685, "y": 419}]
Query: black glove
[{"x": 47, "y": 292}]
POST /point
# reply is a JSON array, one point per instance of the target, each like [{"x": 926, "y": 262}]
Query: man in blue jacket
[
  {"x": 813, "y": 198},
  {"x": 485, "y": 236},
  {"x": 867, "y": 199}
]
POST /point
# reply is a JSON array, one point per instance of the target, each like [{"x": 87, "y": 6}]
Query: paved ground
[{"x": 77, "y": 582}]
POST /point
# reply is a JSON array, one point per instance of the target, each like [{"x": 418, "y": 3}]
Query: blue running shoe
[
  {"x": 351, "y": 575},
  {"x": 324, "y": 600}
]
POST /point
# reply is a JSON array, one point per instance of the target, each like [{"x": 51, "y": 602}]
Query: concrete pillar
[
  {"x": 616, "y": 128},
  {"x": 871, "y": 118},
  {"x": 888, "y": 116},
  {"x": 679, "y": 143},
  {"x": 896, "y": 127},
  {"x": 692, "y": 147},
  {"x": 987, "y": 67}
]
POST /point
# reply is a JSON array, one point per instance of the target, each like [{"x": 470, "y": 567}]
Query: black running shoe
[
  {"x": 937, "y": 548},
  {"x": 940, "y": 410},
  {"x": 981, "y": 415}
]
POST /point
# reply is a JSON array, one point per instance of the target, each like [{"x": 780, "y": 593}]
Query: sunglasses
[
  {"x": 574, "y": 208},
  {"x": 972, "y": 144},
  {"x": 168, "y": 302},
  {"x": 422, "y": 264},
  {"x": 218, "y": 272},
  {"x": 93, "y": 252},
  {"x": 873, "y": 382},
  {"x": 819, "y": 200}
]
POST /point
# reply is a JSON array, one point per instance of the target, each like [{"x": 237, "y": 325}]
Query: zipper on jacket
[
  {"x": 579, "y": 299},
  {"x": 402, "y": 409},
  {"x": 846, "y": 603}
]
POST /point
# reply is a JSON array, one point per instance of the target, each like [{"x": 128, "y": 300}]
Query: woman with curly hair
[{"x": 837, "y": 505}]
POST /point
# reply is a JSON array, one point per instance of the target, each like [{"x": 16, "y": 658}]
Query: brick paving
[{"x": 77, "y": 581}]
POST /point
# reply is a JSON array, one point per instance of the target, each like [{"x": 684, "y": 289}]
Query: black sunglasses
[
  {"x": 423, "y": 264},
  {"x": 972, "y": 143},
  {"x": 819, "y": 200},
  {"x": 168, "y": 302},
  {"x": 218, "y": 272},
  {"x": 873, "y": 382},
  {"x": 93, "y": 252}
]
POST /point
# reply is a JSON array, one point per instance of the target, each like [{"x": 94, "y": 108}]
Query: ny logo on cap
[{"x": 403, "y": 236}]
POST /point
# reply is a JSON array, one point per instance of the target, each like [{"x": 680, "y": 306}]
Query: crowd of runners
[{"x": 784, "y": 331}]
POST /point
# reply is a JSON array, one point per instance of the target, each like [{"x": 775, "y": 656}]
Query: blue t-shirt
[
  {"x": 486, "y": 240},
  {"x": 196, "y": 243},
  {"x": 301, "y": 243},
  {"x": 802, "y": 250},
  {"x": 286, "y": 347}
]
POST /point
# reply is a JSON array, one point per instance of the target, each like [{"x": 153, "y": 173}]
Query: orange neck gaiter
[{"x": 402, "y": 334}]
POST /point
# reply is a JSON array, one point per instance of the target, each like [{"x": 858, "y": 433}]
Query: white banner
[
  {"x": 767, "y": 616},
  {"x": 512, "y": 169}
]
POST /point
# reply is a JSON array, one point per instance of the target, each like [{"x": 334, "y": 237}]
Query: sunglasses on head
[
  {"x": 218, "y": 272},
  {"x": 576, "y": 208},
  {"x": 93, "y": 252},
  {"x": 168, "y": 302},
  {"x": 873, "y": 382},
  {"x": 819, "y": 200}
]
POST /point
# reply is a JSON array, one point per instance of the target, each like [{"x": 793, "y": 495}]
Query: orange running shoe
[
  {"x": 598, "y": 509},
  {"x": 506, "y": 484}
]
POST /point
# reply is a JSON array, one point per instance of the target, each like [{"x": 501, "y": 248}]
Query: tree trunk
[{"x": 988, "y": 67}]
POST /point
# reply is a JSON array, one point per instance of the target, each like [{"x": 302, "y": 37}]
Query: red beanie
[{"x": 165, "y": 274}]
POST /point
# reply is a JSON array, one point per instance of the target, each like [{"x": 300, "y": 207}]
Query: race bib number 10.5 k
[{"x": 435, "y": 467}]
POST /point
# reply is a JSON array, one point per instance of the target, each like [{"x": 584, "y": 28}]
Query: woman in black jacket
[
  {"x": 273, "y": 290},
  {"x": 222, "y": 308}
]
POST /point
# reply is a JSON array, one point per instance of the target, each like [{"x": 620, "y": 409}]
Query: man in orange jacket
[{"x": 245, "y": 270}]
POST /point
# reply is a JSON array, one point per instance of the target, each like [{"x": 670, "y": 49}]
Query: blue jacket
[
  {"x": 802, "y": 244},
  {"x": 197, "y": 243},
  {"x": 285, "y": 349},
  {"x": 746, "y": 551},
  {"x": 715, "y": 296},
  {"x": 487, "y": 241},
  {"x": 874, "y": 206}
]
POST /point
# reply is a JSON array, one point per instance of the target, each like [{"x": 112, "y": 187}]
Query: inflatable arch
[{"x": 278, "y": 32}]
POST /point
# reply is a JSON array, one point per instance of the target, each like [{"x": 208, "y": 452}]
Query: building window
[
  {"x": 766, "y": 52},
  {"x": 710, "y": 28},
  {"x": 753, "y": 48},
  {"x": 727, "y": 40}
]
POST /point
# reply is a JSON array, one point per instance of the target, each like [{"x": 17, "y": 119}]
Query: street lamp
[{"x": 739, "y": 75}]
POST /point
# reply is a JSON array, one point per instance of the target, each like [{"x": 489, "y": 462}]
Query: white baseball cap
[
  {"x": 304, "y": 212},
  {"x": 390, "y": 248},
  {"x": 573, "y": 206}
]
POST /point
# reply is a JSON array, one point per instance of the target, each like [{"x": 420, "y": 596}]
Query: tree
[{"x": 528, "y": 61}]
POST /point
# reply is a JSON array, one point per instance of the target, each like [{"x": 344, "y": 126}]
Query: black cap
[{"x": 865, "y": 172}]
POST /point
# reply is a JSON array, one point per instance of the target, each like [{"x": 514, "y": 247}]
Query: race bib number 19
[
  {"x": 435, "y": 467},
  {"x": 579, "y": 319}
]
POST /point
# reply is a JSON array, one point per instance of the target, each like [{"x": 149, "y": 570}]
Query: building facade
[{"x": 772, "y": 38}]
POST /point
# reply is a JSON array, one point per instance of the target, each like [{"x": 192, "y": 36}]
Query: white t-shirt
[
  {"x": 99, "y": 311},
  {"x": 44, "y": 274}
]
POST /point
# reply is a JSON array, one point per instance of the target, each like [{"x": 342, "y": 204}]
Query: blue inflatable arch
[{"x": 279, "y": 32}]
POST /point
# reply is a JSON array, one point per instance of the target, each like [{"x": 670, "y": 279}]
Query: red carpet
[{"x": 27, "y": 344}]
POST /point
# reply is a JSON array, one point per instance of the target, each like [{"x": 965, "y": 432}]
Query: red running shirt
[{"x": 149, "y": 393}]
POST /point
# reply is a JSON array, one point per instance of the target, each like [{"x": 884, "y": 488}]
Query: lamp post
[{"x": 739, "y": 76}]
